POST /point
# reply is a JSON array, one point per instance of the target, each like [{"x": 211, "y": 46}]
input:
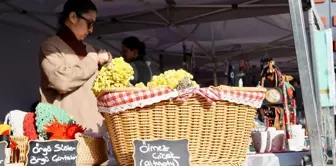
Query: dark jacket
[{"x": 142, "y": 71}]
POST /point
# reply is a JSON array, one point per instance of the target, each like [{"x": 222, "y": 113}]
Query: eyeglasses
[{"x": 89, "y": 23}]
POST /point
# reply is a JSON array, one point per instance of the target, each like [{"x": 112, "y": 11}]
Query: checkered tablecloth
[{"x": 121, "y": 101}]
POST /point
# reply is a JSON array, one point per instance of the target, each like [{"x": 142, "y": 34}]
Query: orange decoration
[
  {"x": 73, "y": 129},
  {"x": 62, "y": 131},
  {"x": 13, "y": 144}
]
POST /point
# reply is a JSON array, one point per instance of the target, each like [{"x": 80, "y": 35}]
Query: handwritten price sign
[
  {"x": 52, "y": 153},
  {"x": 161, "y": 153}
]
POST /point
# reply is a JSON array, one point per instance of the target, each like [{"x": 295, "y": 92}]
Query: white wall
[{"x": 19, "y": 70}]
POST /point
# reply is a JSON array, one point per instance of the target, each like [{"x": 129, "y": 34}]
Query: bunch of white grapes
[
  {"x": 117, "y": 74},
  {"x": 169, "y": 79}
]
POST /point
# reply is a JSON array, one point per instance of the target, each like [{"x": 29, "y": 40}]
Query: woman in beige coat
[{"x": 69, "y": 66}]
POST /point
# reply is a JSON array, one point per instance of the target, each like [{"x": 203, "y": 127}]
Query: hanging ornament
[
  {"x": 231, "y": 75},
  {"x": 187, "y": 59},
  {"x": 242, "y": 64}
]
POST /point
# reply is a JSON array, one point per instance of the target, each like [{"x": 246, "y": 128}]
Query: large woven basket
[{"x": 218, "y": 134}]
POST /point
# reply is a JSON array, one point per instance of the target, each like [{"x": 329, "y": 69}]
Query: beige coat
[{"x": 66, "y": 82}]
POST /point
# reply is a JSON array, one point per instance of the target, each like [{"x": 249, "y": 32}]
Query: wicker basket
[
  {"x": 91, "y": 151},
  {"x": 22, "y": 142},
  {"x": 218, "y": 135}
]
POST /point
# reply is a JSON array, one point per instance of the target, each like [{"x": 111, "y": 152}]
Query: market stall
[
  {"x": 162, "y": 109},
  {"x": 153, "y": 108},
  {"x": 170, "y": 115},
  {"x": 264, "y": 32}
]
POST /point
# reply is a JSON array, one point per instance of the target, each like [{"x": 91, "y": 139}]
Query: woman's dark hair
[
  {"x": 133, "y": 43},
  {"x": 77, "y": 6}
]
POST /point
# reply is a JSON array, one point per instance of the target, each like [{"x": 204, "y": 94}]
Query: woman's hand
[
  {"x": 110, "y": 56},
  {"x": 103, "y": 57}
]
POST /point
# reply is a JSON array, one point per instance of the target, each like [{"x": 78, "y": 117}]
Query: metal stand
[
  {"x": 319, "y": 115},
  {"x": 313, "y": 116}
]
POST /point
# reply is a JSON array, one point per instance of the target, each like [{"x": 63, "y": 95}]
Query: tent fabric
[
  {"x": 250, "y": 38},
  {"x": 217, "y": 30},
  {"x": 249, "y": 30}
]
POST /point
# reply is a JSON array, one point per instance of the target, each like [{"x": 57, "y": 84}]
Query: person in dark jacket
[{"x": 134, "y": 52}]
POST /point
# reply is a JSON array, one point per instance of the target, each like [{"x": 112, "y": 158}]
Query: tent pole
[
  {"x": 213, "y": 12},
  {"x": 21, "y": 11},
  {"x": 274, "y": 25},
  {"x": 129, "y": 15},
  {"x": 214, "y": 54},
  {"x": 237, "y": 53},
  {"x": 157, "y": 13},
  {"x": 230, "y": 6},
  {"x": 142, "y": 22},
  {"x": 197, "y": 43},
  {"x": 182, "y": 29},
  {"x": 183, "y": 38}
]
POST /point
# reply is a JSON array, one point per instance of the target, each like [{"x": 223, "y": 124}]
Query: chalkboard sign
[
  {"x": 52, "y": 153},
  {"x": 161, "y": 153},
  {"x": 3, "y": 146}
]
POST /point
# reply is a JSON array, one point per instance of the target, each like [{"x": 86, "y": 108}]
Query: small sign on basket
[
  {"x": 3, "y": 146},
  {"x": 161, "y": 152},
  {"x": 52, "y": 153}
]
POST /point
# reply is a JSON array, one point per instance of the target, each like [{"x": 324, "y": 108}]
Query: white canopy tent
[{"x": 218, "y": 31}]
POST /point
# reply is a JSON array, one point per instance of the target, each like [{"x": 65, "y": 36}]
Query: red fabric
[{"x": 29, "y": 128}]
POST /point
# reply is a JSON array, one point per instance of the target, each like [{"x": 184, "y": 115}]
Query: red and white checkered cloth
[
  {"x": 253, "y": 99},
  {"x": 121, "y": 101}
]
